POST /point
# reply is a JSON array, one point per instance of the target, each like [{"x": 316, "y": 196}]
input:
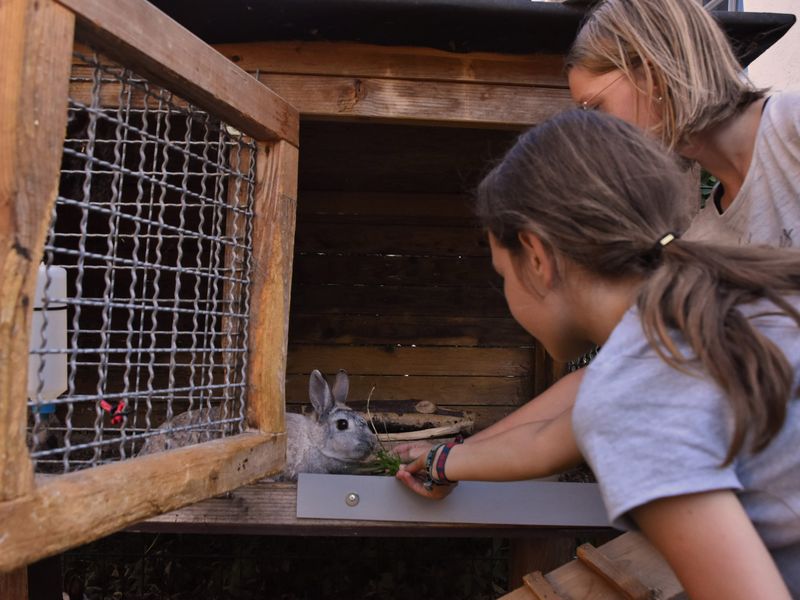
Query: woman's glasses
[{"x": 589, "y": 104}]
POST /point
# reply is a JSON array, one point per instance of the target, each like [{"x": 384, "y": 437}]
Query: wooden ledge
[
  {"x": 79, "y": 502},
  {"x": 270, "y": 508}
]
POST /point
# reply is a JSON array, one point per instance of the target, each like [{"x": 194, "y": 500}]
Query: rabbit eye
[{"x": 341, "y": 424}]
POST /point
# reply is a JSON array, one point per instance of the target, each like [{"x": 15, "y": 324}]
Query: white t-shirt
[
  {"x": 650, "y": 431},
  {"x": 767, "y": 208}
]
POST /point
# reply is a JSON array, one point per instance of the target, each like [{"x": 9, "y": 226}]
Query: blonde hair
[
  {"x": 600, "y": 194},
  {"x": 689, "y": 62}
]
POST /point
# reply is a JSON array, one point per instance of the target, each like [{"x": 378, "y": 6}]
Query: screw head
[{"x": 352, "y": 499}]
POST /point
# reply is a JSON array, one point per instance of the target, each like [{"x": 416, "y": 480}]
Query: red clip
[{"x": 117, "y": 410}]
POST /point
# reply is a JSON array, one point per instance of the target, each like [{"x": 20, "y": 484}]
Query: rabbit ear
[
  {"x": 341, "y": 387},
  {"x": 320, "y": 393}
]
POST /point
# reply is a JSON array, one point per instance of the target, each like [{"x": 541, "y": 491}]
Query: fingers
[
  {"x": 437, "y": 492},
  {"x": 411, "y": 451},
  {"x": 416, "y": 465}
]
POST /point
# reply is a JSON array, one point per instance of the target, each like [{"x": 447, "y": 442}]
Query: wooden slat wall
[
  {"x": 412, "y": 85},
  {"x": 398, "y": 290}
]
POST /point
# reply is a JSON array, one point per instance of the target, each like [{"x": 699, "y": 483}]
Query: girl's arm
[
  {"x": 712, "y": 546},
  {"x": 547, "y": 405},
  {"x": 527, "y": 451}
]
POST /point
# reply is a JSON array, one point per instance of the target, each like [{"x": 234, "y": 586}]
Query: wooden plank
[
  {"x": 537, "y": 554},
  {"x": 360, "y": 330},
  {"x": 35, "y": 43},
  {"x": 273, "y": 241},
  {"x": 501, "y": 391},
  {"x": 399, "y": 300},
  {"x": 389, "y": 360},
  {"x": 314, "y": 205},
  {"x": 235, "y": 259},
  {"x": 388, "y": 238},
  {"x": 143, "y": 38},
  {"x": 540, "y": 587},
  {"x": 14, "y": 585},
  {"x": 632, "y": 551},
  {"x": 418, "y": 102},
  {"x": 613, "y": 573},
  {"x": 546, "y": 370},
  {"x": 521, "y": 593},
  {"x": 397, "y": 157},
  {"x": 87, "y": 505},
  {"x": 368, "y": 60},
  {"x": 266, "y": 508},
  {"x": 483, "y": 415},
  {"x": 393, "y": 269}
]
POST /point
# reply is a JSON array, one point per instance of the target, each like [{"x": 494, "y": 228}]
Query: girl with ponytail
[
  {"x": 667, "y": 68},
  {"x": 690, "y": 414}
]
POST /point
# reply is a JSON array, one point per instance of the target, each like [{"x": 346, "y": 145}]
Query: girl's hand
[
  {"x": 412, "y": 450},
  {"x": 409, "y": 473}
]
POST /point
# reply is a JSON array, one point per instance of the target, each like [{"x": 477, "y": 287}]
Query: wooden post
[
  {"x": 14, "y": 585},
  {"x": 73, "y": 509},
  {"x": 124, "y": 29},
  {"x": 273, "y": 247},
  {"x": 35, "y": 43},
  {"x": 542, "y": 553}
]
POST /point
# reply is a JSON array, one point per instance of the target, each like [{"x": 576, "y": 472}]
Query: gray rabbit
[{"x": 334, "y": 439}]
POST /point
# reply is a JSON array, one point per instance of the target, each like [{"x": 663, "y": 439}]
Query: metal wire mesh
[{"x": 153, "y": 225}]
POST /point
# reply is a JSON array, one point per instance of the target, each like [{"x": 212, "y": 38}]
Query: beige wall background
[{"x": 778, "y": 67}]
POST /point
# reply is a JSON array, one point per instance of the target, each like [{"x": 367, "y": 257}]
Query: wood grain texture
[
  {"x": 398, "y": 158},
  {"x": 540, "y": 587},
  {"x": 388, "y": 62},
  {"x": 420, "y": 207},
  {"x": 390, "y": 238},
  {"x": 143, "y": 38},
  {"x": 421, "y": 330},
  {"x": 88, "y": 504},
  {"x": 390, "y": 360},
  {"x": 536, "y": 554},
  {"x": 418, "y": 102},
  {"x": 273, "y": 249},
  {"x": 444, "y": 391},
  {"x": 613, "y": 572},
  {"x": 634, "y": 554},
  {"x": 385, "y": 300},
  {"x": 14, "y": 585},
  {"x": 460, "y": 271},
  {"x": 35, "y": 44}
]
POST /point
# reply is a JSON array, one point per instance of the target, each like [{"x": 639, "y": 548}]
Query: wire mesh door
[
  {"x": 152, "y": 231},
  {"x": 172, "y": 218}
]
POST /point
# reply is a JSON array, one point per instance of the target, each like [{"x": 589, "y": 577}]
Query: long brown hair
[
  {"x": 600, "y": 194},
  {"x": 699, "y": 81}
]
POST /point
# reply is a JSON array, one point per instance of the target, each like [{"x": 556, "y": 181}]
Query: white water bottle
[{"x": 53, "y": 366}]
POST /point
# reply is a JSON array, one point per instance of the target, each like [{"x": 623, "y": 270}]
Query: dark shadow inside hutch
[{"x": 392, "y": 279}]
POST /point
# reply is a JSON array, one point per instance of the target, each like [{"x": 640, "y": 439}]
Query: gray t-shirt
[
  {"x": 767, "y": 208},
  {"x": 649, "y": 431}
]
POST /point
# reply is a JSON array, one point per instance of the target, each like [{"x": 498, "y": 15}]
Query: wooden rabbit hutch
[{"x": 174, "y": 218}]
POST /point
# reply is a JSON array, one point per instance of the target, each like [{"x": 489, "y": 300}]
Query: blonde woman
[
  {"x": 667, "y": 68},
  {"x": 690, "y": 414}
]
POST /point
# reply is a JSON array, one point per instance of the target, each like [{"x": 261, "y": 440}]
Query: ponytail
[
  {"x": 601, "y": 195},
  {"x": 698, "y": 290}
]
